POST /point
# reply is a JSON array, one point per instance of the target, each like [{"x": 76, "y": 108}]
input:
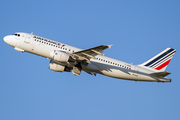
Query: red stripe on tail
[{"x": 163, "y": 65}]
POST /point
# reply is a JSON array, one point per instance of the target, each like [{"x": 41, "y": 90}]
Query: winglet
[{"x": 110, "y": 46}]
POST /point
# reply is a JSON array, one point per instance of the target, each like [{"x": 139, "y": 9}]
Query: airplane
[{"x": 66, "y": 58}]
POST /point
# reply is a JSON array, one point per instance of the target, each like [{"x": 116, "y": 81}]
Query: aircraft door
[{"x": 27, "y": 39}]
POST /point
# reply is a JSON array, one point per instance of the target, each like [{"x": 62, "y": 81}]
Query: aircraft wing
[{"x": 87, "y": 54}]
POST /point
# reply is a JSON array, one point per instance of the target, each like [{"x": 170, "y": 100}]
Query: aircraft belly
[
  {"x": 117, "y": 74},
  {"x": 91, "y": 68},
  {"x": 121, "y": 73},
  {"x": 112, "y": 71}
]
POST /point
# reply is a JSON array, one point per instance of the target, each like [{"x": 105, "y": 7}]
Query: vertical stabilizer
[{"x": 161, "y": 60}]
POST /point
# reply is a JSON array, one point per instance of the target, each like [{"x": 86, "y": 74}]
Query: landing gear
[{"x": 77, "y": 69}]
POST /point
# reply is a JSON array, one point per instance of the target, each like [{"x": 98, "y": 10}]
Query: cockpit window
[{"x": 17, "y": 35}]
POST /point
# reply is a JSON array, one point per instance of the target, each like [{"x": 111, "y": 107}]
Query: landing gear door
[{"x": 27, "y": 39}]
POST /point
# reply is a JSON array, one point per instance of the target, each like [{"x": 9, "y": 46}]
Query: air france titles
[{"x": 47, "y": 40}]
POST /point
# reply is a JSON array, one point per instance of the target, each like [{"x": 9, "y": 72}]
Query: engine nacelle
[
  {"x": 58, "y": 67},
  {"x": 61, "y": 56}
]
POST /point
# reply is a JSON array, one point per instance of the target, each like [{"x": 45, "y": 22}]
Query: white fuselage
[{"x": 101, "y": 64}]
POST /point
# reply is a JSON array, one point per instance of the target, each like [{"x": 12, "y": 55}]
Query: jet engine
[
  {"x": 58, "y": 67},
  {"x": 60, "y": 56}
]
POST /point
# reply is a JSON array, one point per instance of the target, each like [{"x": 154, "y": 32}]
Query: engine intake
[{"x": 58, "y": 67}]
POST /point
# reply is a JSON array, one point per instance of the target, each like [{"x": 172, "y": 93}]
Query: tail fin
[{"x": 161, "y": 60}]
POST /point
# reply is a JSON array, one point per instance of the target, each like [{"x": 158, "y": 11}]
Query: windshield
[{"x": 17, "y": 34}]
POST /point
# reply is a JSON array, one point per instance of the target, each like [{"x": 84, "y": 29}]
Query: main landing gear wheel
[{"x": 77, "y": 69}]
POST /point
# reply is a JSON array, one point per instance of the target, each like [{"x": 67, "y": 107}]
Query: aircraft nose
[{"x": 7, "y": 39}]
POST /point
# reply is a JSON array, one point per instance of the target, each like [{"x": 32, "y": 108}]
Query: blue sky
[{"x": 137, "y": 29}]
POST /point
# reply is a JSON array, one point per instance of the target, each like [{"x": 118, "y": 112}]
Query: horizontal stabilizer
[{"x": 160, "y": 74}]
